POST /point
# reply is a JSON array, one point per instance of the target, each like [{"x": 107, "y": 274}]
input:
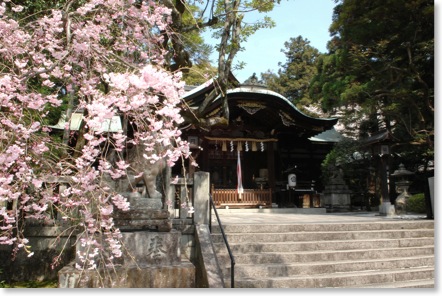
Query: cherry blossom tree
[{"x": 105, "y": 55}]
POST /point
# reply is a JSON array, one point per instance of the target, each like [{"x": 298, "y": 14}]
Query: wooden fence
[{"x": 251, "y": 198}]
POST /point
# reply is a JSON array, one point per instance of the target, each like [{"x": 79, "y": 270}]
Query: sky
[{"x": 310, "y": 19}]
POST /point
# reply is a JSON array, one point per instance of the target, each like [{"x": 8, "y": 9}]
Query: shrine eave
[
  {"x": 268, "y": 95},
  {"x": 267, "y": 108}
]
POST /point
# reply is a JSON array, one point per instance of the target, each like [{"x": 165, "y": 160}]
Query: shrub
[{"x": 416, "y": 203}]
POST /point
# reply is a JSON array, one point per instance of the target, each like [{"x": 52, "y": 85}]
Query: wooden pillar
[
  {"x": 271, "y": 164},
  {"x": 204, "y": 161},
  {"x": 384, "y": 180}
]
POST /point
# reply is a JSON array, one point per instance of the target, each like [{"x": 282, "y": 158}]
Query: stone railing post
[
  {"x": 170, "y": 191},
  {"x": 201, "y": 187},
  {"x": 431, "y": 185}
]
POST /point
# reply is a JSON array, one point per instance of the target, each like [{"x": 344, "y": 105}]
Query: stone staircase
[{"x": 381, "y": 254}]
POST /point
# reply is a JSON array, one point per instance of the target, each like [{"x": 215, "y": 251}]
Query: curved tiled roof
[{"x": 272, "y": 111}]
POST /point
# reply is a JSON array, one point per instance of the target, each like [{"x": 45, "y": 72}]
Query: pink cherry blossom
[{"x": 63, "y": 53}]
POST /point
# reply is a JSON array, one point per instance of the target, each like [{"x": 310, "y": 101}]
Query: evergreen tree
[
  {"x": 381, "y": 67},
  {"x": 293, "y": 79},
  {"x": 379, "y": 74}
]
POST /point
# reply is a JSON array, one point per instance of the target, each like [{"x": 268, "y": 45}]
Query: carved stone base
[
  {"x": 142, "y": 248},
  {"x": 143, "y": 219},
  {"x": 336, "y": 200},
  {"x": 160, "y": 225},
  {"x": 139, "y": 248},
  {"x": 149, "y": 260},
  {"x": 144, "y": 214},
  {"x": 139, "y": 201},
  {"x": 166, "y": 276}
]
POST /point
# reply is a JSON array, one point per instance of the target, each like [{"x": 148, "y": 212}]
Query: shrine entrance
[{"x": 270, "y": 139}]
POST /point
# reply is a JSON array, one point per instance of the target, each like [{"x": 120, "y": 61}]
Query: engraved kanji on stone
[{"x": 156, "y": 248}]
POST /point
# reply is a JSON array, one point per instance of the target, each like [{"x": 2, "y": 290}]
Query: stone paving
[{"x": 284, "y": 216}]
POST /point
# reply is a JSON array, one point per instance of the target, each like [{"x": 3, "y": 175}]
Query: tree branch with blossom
[{"x": 106, "y": 55}]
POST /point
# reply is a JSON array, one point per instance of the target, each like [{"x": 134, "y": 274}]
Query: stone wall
[
  {"x": 208, "y": 271},
  {"x": 187, "y": 230},
  {"x": 46, "y": 245}
]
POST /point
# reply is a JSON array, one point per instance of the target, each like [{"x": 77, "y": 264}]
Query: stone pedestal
[
  {"x": 151, "y": 253},
  {"x": 402, "y": 185},
  {"x": 431, "y": 185},
  {"x": 144, "y": 213},
  {"x": 140, "y": 249},
  {"x": 402, "y": 199},
  {"x": 386, "y": 209},
  {"x": 336, "y": 200},
  {"x": 164, "y": 276},
  {"x": 336, "y": 195},
  {"x": 149, "y": 260}
]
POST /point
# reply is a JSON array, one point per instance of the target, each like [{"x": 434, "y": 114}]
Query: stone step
[
  {"x": 324, "y": 256},
  {"x": 390, "y": 254},
  {"x": 322, "y": 235},
  {"x": 333, "y": 226},
  {"x": 323, "y": 245},
  {"x": 341, "y": 280},
  {"x": 407, "y": 284},
  {"x": 316, "y": 268}
]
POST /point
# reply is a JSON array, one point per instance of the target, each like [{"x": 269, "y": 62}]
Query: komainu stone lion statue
[{"x": 140, "y": 169}]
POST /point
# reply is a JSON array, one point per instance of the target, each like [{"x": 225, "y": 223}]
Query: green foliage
[
  {"x": 31, "y": 284},
  {"x": 379, "y": 72},
  {"x": 192, "y": 40},
  {"x": 342, "y": 155},
  {"x": 294, "y": 76},
  {"x": 199, "y": 73},
  {"x": 246, "y": 29},
  {"x": 348, "y": 158},
  {"x": 416, "y": 203},
  {"x": 33, "y": 9}
]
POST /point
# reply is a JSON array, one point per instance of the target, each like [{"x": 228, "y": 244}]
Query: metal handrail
[{"x": 232, "y": 259}]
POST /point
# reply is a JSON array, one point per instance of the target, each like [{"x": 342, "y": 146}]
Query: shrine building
[{"x": 278, "y": 149}]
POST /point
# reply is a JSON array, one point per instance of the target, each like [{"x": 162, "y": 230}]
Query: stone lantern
[
  {"x": 402, "y": 185},
  {"x": 379, "y": 145}
]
